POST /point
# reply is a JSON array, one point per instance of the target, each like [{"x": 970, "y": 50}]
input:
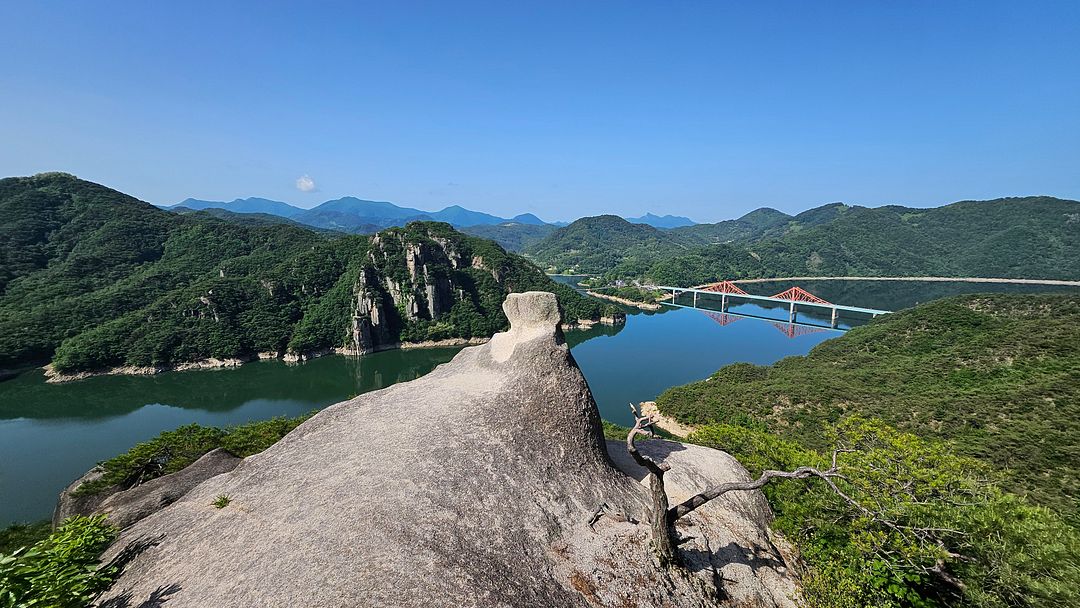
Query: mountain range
[
  {"x": 354, "y": 215},
  {"x": 1034, "y": 237},
  {"x": 662, "y": 221},
  {"x": 358, "y": 216}
]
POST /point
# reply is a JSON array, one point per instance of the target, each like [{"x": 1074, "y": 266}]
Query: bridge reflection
[{"x": 790, "y": 329}]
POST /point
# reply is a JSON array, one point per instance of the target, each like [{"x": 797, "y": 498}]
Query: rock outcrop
[
  {"x": 70, "y": 502},
  {"x": 125, "y": 507},
  {"x": 485, "y": 483}
]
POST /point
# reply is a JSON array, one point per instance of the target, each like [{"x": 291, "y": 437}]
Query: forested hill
[
  {"x": 92, "y": 278},
  {"x": 958, "y": 423},
  {"x": 996, "y": 375},
  {"x": 594, "y": 245},
  {"x": 1032, "y": 237}
]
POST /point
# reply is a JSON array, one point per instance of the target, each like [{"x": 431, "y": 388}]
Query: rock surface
[{"x": 485, "y": 483}]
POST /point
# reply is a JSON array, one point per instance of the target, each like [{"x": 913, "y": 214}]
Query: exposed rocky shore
[{"x": 624, "y": 301}]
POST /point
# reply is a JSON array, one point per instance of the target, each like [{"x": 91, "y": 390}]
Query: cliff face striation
[{"x": 485, "y": 483}]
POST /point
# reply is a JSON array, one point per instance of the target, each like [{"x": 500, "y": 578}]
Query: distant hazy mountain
[
  {"x": 754, "y": 225},
  {"x": 242, "y": 205},
  {"x": 667, "y": 221},
  {"x": 528, "y": 218},
  {"x": 595, "y": 245},
  {"x": 258, "y": 219},
  {"x": 456, "y": 215},
  {"x": 351, "y": 214}
]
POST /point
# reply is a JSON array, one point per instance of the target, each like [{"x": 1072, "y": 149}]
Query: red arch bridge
[{"x": 794, "y": 299}]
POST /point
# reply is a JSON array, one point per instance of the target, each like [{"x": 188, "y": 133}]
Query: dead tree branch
[{"x": 662, "y": 523}]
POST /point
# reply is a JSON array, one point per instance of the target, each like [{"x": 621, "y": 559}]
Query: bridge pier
[
  {"x": 723, "y": 302},
  {"x": 834, "y": 317},
  {"x": 695, "y": 299},
  {"x": 791, "y": 312}
]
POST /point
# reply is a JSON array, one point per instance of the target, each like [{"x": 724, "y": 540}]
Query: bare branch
[
  {"x": 640, "y": 422},
  {"x": 660, "y": 520},
  {"x": 688, "y": 505}
]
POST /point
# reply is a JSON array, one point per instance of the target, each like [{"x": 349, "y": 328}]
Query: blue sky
[{"x": 563, "y": 109}]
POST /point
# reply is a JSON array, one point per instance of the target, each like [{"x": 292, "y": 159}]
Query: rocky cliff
[{"x": 485, "y": 483}]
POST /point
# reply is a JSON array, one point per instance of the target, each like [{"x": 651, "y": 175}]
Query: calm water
[{"x": 50, "y": 434}]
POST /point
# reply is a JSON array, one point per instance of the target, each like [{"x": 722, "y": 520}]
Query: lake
[{"x": 52, "y": 433}]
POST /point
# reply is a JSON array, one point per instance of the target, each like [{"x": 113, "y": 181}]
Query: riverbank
[
  {"x": 624, "y": 301},
  {"x": 618, "y": 319},
  {"x": 665, "y": 423},
  {"x": 54, "y": 377}
]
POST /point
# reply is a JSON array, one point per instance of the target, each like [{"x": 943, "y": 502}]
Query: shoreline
[
  {"x": 54, "y": 377},
  {"x": 583, "y": 324},
  {"x": 1061, "y": 282},
  {"x": 624, "y": 301},
  {"x": 664, "y": 422}
]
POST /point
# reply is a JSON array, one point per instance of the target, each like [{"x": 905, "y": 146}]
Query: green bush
[
  {"x": 938, "y": 530},
  {"x": 60, "y": 571}
]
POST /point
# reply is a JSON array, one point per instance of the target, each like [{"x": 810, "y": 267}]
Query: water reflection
[
  {"x": 318, "y": 383},
  {"x": 789, "y": 329}
]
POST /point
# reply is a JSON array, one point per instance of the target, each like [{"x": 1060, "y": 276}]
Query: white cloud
[{"x": 304, "y": 183}]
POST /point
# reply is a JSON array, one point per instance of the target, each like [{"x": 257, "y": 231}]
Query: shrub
[
  {"x": 938, "y": 530},
  {"x": 62, "y": 570}
]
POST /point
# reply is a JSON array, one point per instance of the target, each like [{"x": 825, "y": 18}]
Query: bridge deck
[{"x": 840, "y": 307}]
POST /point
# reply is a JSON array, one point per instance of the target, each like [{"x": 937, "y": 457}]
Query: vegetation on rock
[
  {"x": 19, "y": 535},
  {"x": 925, "y": 527}
]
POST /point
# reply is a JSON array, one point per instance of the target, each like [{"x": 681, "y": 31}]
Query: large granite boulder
[{"x": 485, "y": 483}]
